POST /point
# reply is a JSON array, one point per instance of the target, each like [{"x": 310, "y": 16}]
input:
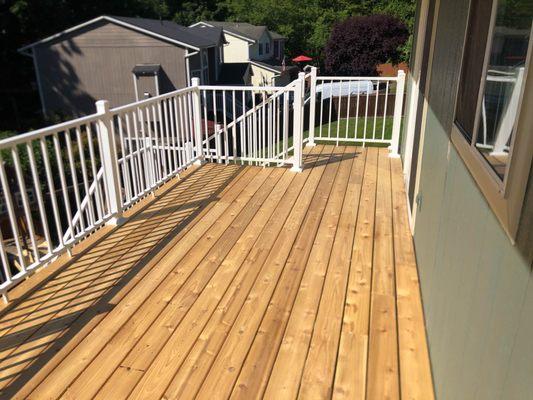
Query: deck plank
[
  {"x": 350, "y": 375},
  {"x": 318, "y": 374},
  {"x": 415, "y": 369},
  {"x": 382, "y": 375},
  {"x": 235, "y": 282}
]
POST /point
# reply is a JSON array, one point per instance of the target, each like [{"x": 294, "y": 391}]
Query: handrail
[{"x": 49, "y": 130}]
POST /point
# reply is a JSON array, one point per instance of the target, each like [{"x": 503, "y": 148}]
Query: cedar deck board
[{"x": 232, "y": 229}]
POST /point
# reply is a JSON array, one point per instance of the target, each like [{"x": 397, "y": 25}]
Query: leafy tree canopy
[
  {"x": 307, "y": 24},
  {"x": 358, "y": 44}
]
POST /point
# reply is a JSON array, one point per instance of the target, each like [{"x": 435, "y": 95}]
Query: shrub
[{"x": 358, "y": 44}]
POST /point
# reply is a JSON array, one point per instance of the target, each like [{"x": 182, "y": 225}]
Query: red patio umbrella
[{"x": 302, "y": 58}]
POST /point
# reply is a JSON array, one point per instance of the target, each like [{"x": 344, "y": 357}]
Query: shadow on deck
[{"x": 235, "y": 282}]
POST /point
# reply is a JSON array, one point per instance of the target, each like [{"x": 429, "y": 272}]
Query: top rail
[
  {"x": 357, "y": 78},
  {"x": 49, "y": 130}
]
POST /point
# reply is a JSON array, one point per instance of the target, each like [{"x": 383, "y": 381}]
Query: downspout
[
  {"x": 187, "y": 66},
  {"x": 38, "y": 78},
  {"x": 135, "y": 87}
]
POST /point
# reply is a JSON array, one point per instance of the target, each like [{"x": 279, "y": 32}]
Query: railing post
[
  {"x": 297, "y": 130},
  {"x": 109, "y": 163},
  {"x": 398, "y": 110},
  {"x": 197, "y": 117},
  {"x": 312, "y": 107}
]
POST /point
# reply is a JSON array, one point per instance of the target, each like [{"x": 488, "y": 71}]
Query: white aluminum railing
[
  {"x": 260, "y": 131},
  {"x": 75, "y": 177},
  {"x": 356, "y": 109}
]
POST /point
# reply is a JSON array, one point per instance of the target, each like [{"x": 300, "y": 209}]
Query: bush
[{"x": 358, "y": 44}]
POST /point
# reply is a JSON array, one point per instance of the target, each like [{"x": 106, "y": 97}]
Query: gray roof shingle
[
  {"x": 249, "y": 31},
  {"x": 172, "y": 31}
]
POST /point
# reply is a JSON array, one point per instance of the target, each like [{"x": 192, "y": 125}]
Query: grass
[
  {"x": 352, "y": 132},
  {"x": 350, "y": 128}
]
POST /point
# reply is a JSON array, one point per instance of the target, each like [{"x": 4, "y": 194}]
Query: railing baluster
[
  {"x": 63, "y": 182},
  {"x": 356, "y": 133},
  {"x": 375, "y": 112},
  {"x": 183, "y": 132},
  {"x": 339, "y": 105},
  {"x": 385, "y": 111},
  {"x": 25, "y": 202},
  {"x": 99, "y": 201},
  {"x": 132, "y": 159},
  {"x": 348, "y": 108},
  {"x": 52, "y": 190},
  {"x": 5, "y": 262},
  {"x": 234, "y": 127},
  {"x": 74, "y": 178},
  {"x": 85, "y": 179},
  {"x": 39, "y": 196},
  {"x": 151, "y": 148},
  {"x": 366, "y": 117},
  {"x": 11, "y": 213},
  {"x": 286, "y": 124},
  {"x": 125, "y": 172}
]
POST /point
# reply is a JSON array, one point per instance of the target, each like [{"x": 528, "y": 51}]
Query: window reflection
[{"x": 504, "y": 79}]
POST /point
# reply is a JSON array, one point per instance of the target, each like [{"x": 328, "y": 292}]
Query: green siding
[{"x": 477, "y": 289}]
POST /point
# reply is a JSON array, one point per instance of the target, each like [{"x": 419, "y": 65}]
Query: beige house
[{"x": 257, "y": 45}]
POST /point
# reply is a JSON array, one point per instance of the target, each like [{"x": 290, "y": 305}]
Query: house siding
[
  {"x": 95, "y": 63},
  {"x": 236, "y": 50},
  {"x": 254, "y": 49},
  {"x": 477, "y": 287}
]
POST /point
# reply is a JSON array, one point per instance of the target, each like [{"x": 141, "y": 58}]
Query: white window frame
[{"x": 505, "y": 196}]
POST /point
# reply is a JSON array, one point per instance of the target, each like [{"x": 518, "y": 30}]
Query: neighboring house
[
  {"x": 261, "y": 48},
  {"x": 121, "y": 60},
  {"x": 467, "y": 162}
]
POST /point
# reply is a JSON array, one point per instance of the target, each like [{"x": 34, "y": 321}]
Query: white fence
[
  {"x": 60, "y": 184},
  {"x": 358, "y": 110}
]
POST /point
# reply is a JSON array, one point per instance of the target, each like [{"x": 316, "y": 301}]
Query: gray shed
[{"x": 122, "y": 60}]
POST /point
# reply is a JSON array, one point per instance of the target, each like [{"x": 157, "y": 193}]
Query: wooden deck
[{"x": 238, "y": 282}]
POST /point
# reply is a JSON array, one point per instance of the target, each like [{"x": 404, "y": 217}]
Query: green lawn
[
  {"x": 350, "y": 128},
  {"x": 350, "y": 134}
]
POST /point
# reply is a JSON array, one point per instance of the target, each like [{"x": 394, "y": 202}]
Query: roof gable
[{"x": 162, "y": 29}]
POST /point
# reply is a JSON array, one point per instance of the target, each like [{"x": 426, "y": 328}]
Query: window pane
[
  {"x": 504, "y": 79},
  {"x": 474, "y": 55}
]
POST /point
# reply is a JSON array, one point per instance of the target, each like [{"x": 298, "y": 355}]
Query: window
[
  {"x": 260, "y": 49},
  {"x": 489, "y": 132},
  {"x": 267, "y": 48},
  {"x": 276, "y": 49}
]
